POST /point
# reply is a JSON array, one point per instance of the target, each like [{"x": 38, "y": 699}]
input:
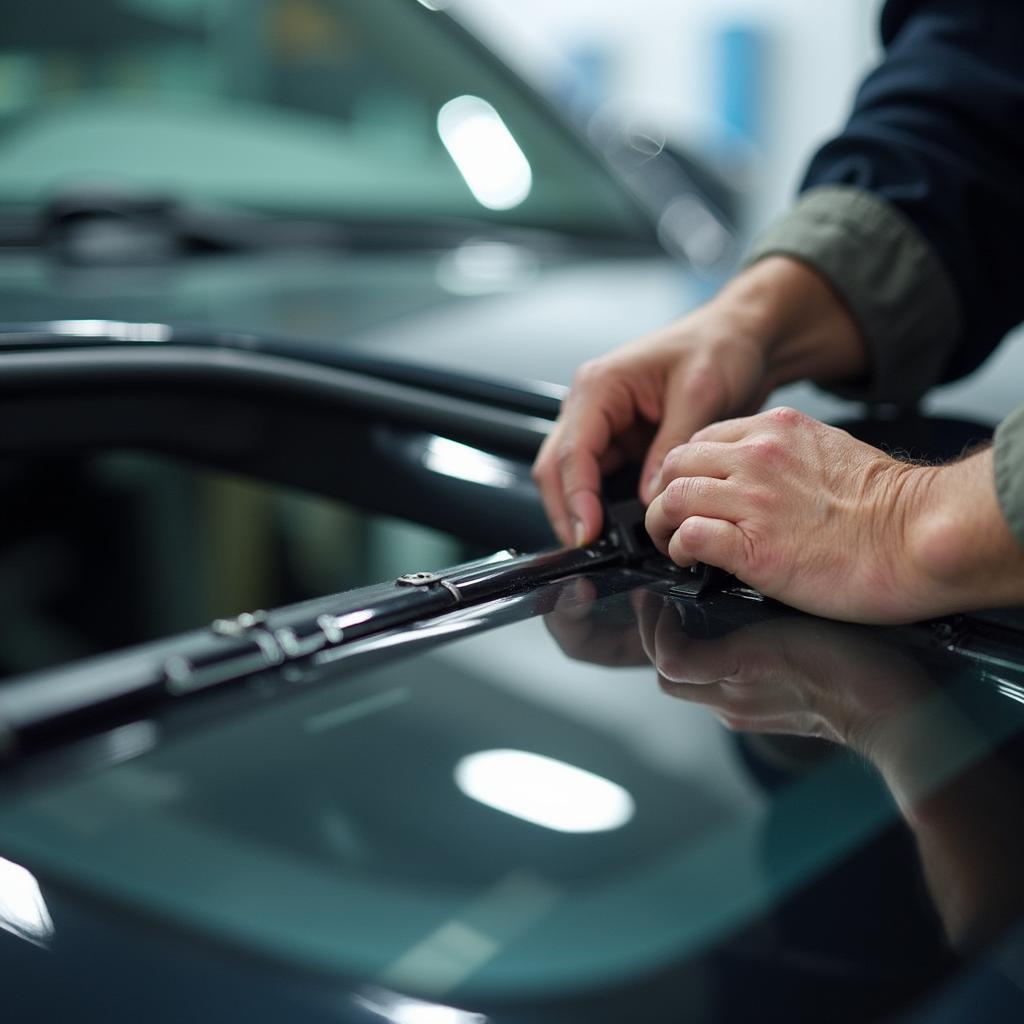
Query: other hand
[
  {"x": 775, "y": 322},
  {"x": 809, "y": 515}
]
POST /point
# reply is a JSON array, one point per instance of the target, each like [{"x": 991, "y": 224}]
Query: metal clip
[
  {"x": 696, "y": 581},
  {"x": 418, "y": 579},
  {"x": 426, "y": 579},
  {"x": 240, "y": 625}
]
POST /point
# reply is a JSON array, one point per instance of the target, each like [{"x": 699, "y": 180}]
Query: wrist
[
  {"x": 959, "y": 542},
  {"x": 801, "y": 326}
]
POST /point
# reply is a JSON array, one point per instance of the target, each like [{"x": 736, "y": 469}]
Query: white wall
[
  {"x": 819, "y": 51},
  {"x": 661, "y": 66}
]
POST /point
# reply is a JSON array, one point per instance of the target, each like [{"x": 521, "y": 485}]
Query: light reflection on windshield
[
  {"x": 23, "y": 910},
  {"x": 294, "y": 106},
  {"x": 858, "y": 688},
  {"x": 544, "y": 791},
  {"x": 483, "y": 149}
]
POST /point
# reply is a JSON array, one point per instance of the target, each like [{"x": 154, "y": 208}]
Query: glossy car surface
[{"x": 504, "y": 808}]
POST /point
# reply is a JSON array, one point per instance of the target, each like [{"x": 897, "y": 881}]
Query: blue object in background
[
  {"x": 739, "y": 69},
  {"x": 587, "y": 87}
]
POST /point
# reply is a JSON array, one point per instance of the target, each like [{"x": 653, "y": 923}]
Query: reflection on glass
[
  {"x": 481, "y": 268},
  {"x": 22, "y": 909},
  {"x": 402, "y": 1010},
  {"x": 116, "y": 329},
  {"x": 485, "y": 153},
  {"x": 544, "y": 791},
  {"x": 867, "y": 691},
  {"x": 465, "y": 463},
  {"x": 1008, "y": 689},
  {"x": 689, "y": 226}
]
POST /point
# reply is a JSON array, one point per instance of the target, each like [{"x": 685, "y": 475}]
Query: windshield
[
  {"x": 369, "y": 109},
  {"x": 494, "y": 806}
]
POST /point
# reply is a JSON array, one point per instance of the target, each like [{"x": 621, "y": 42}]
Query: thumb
[{"x": 678, "y": 426}]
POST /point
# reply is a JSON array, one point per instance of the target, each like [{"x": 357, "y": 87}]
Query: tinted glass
[
  {"x": 361, "y": 108},
  {"x": 116, "y": 549},
  {"x": 530, "y": 813}
]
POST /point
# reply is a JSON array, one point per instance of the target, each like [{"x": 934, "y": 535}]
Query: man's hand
[
  {"x": 795, "y": 676},
  {"x": 809, "y": 515},
  {"x": 680, "y": 379},
  {"x": 776, "y": 322}
]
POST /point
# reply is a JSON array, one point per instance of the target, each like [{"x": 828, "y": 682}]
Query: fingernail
[
  {"x": 651, "y": 487},
  {"x": 579, "y": 533}
]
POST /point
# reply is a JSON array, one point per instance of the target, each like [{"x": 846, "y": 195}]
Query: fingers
[
  {"x": 708, "y": 452},
  {"x": 704, "y": 458},
  {"x": 616, "y": 400},
  {"x": 677, "y": 657},
  {"x": 549, "y": 483},
  {"x": 712, "y": 541},
  {"x": 682, "y": 659},
  {"x": 680, "y": 421},
  {"x": 568, "y": 474},
  {"x": 687, "y": 497},
  {"x": 569, "y": 465}
]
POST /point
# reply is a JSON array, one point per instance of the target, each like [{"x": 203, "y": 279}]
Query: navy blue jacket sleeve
[{"x": 937, "y": 130}]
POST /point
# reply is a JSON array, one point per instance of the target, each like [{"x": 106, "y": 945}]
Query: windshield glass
[
  {"x": 493, "y": 805},
  {"x": 371, "y": 109}
]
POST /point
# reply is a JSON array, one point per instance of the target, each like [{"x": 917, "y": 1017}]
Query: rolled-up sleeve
[
  {"x": 914, "y": 211},
  {"x": 890, "y": 280},
  {"x": 1009, "y": 464}
]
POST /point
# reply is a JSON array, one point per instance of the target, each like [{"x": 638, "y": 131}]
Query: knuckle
[
  {"x": 590, "y": 374},
  {"x": 690, "y": 532},
  {"x": 760, "y": 499},
  {"x": 785, "y": 416},
  {"x": 673, "y": 461},
  {"x": 765, "y": 448},
  {"x": 682, "y": 544},
  {"x": 680, "y": 492},
  {"x": 702, "y": 450},
  {"x": 670, "y": 668}
]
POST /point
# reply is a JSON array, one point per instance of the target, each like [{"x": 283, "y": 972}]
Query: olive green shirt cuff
[
  {"x": 893, "y": 284},
  {"x": 1009, "y": 464}
]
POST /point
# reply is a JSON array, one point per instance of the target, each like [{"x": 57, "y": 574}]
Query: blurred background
[{"x": 750, "y": 86}]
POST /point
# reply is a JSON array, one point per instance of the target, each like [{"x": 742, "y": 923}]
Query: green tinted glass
[
  {"x": 489, "y": 818},
  {"x": 368, "y": 108}
]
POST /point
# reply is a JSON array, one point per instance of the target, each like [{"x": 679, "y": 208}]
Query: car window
[
  {"x": 377, "y": 109},
  {"x": 117, "y": 549}
]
